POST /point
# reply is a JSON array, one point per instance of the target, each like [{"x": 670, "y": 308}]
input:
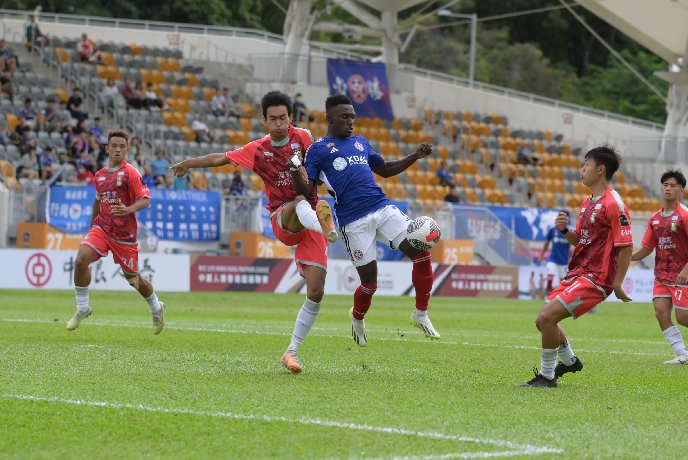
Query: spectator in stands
[
  {"x": 23, "y": 136},
  {"x": 81, "y": 144},
  {"x": 182, "y": 183},
  {"x": 11, "y": 64},
  {"x": 445, "y": 176},
  {"x": 525, "y": 156},
  {"x": 64, "y": 116},
  {"x": 152, "y": 102},
  {"x": 452, "y": 195},
  {"x": 96, "y": 130},
  {"x": 109, "y": 95},
  {"x": 28, "y": 165},
  {"x": 34, "y": 36},
  {"x": 135, "y": 148},
  {"x": 218, "y": 104},
  {"x": 237, "y": 185},
  {"x": 5, "y": 51},
  {"x": 87, "y": 51},
  {"x": 99, "y": 153},
  {"x": 148, "y": 176},
  {"x": 203, "y": 134},
  {"x": 87, "y": 161},
  {"x": 28, "y": 113},
  {"x": 160, "y": 166},
  {"x": 6, "y": 86},
  {"x": 299, "y": 110},
  {"x": 75, "y": 105},
  {"x": 49, "y": 120},
  {"x": 233, "y": 109},
  {"x": 130, "y": 95},
  {"x": 85, "y": 175},
  {"x": 48, "y": 162}
]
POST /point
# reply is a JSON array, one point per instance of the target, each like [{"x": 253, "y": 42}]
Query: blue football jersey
[
  {"x": 560, "y": 253},
  {"x": 345, "y": 166}
]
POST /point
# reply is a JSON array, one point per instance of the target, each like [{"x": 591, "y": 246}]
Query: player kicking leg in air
[
  {"x": 345, "y": 163},
  {"x": 120, "y": 193},
  {"x": 603, "y": 246},
  {"x": 667, "y": 233},
  {"x": 297, "y": 220}
]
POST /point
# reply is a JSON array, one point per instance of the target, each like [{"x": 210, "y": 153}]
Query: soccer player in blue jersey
[
  {"x": 345, "y": 163},
  {"x": 558, "y": 260}
]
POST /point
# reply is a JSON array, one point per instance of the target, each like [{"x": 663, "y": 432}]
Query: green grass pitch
[{"x": 210, "y": 386}]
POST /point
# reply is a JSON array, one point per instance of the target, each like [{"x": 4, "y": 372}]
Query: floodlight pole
[{"x": 474, "y": 35}]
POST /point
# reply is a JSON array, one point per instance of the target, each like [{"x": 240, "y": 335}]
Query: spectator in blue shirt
[
  {"x": 47, "y": 161},
  {"x": 28, "y": 113},
  {"x": 445, "y": 176},
  {"x": 96, "y": 130},
  {"x": 237, "y": 185},
  {"x": 160, "y": 165}
]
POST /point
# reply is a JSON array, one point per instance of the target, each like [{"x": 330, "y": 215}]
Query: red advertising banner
[
  {"x": 213, "y": 273},
  {"x": 478, "y": 281}
]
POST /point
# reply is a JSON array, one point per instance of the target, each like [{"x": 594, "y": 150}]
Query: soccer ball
[{"x": 423, "y": 233}]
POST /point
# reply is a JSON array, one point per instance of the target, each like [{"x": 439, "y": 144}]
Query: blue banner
[
  {"x": 365, "y": 83},
  {"x": 181, "y": 215},
  {"x": 69, "y": 209}
]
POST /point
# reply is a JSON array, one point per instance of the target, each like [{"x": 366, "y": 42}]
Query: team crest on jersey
[
  {"x": 119, "y": 178},
  {"x": 339, "y": 163},
  {"x": 593, "y": 216},
  {"x": 358, "y": 146}
]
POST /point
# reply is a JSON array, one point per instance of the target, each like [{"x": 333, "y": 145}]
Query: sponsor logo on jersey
[
  {"x": 358, "y": 146},
  {"x": 334, "y": 149},
  {"x": 268, "y": 154},
  {"x": 357, "y": 160},
  {"x": 623, "y": 220},
  {"x": 339, "y": 163},
  {"x": 583, "y": 210}
]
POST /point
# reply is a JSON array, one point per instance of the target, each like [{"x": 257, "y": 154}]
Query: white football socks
[
  {"x": 307, "y": 216},
  {"x": 304, "y": 320},
  {"x": 81, "y": 298},
  {"x": 673, "y": 336},
  {"x": 566, "y": 353},
  {"x": 153, "y": 303},
  {"x": 547, "y": 362}
]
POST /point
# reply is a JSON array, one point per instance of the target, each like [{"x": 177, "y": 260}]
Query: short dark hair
[
  {"x": 607, "y": 156},
  {"x": 674, "y": 174},
  {"x": 275, "y": 99},
  {"x": 118, "y": 133},
  {"x": 337, "y": 99}
]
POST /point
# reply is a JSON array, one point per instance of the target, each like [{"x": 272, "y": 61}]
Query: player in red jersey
[
  {"x": 603, "y": 247},
  {"x": 667, "y": 233},
  {"x": 296, "y": 220},
  {"x": 120, "y": 192}
]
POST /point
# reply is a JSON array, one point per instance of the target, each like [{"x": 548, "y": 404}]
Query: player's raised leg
[
  {"x": 86, "y": 255},
  {"x": 298, "y": 214}
]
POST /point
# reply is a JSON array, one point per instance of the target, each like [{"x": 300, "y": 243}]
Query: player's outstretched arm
[
  {"x": 206, "y": 161},
  {"x": 392, "y": 168},
  {"x": 641, "y": 253}
]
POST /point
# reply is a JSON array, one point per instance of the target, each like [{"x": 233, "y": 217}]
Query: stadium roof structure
[{"x": 659, "y": 25}]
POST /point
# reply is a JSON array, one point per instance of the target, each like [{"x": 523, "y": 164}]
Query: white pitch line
[
  {"x": 382, "y": 339},
  {"x": 516, "y": 448}
]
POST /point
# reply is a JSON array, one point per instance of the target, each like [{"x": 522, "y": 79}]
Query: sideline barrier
[{"x": 27, "y": 268}]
